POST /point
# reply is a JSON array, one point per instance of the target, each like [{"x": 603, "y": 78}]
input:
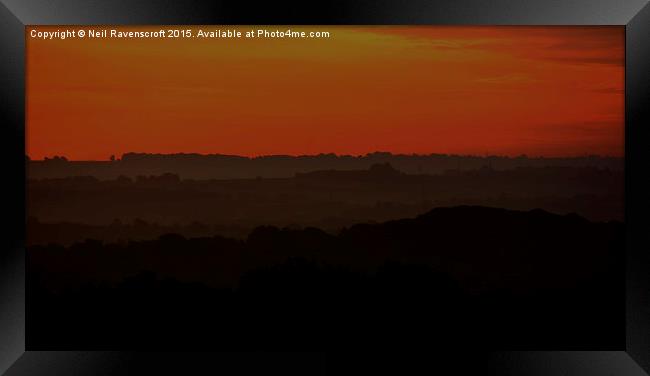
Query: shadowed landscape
[
  {"x": 376, "y": 256},
  {"x": 68, "y": 209},
  {"x": 464, "y": 275}
]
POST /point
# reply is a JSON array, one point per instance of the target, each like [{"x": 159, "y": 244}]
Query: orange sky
[{"x": 552, "y": 91}]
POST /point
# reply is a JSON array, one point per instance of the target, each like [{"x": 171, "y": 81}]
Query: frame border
[{"x": 634, "y": 15}]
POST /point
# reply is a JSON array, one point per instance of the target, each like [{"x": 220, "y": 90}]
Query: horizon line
[{"x": 260, "y": 156}]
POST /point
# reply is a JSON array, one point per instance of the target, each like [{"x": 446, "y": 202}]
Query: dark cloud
[{"x": 570, "y": 45}]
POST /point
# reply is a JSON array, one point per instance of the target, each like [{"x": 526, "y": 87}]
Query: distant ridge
[
  {"x": 476, "y": 217},
  {"x": 220, "y": 166},
  {"x": 183, "y": 155}
]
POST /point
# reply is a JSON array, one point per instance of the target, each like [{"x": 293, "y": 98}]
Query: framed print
[{"x": 441, "y": 183}]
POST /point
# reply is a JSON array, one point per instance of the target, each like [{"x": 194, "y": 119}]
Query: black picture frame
[{"x": 16, "y": 14}]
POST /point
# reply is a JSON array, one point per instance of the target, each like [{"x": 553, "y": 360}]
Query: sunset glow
[{"x": 551, "y": 91}]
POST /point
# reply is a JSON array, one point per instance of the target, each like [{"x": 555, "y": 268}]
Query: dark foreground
[{"x": 464, "y": 276}]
